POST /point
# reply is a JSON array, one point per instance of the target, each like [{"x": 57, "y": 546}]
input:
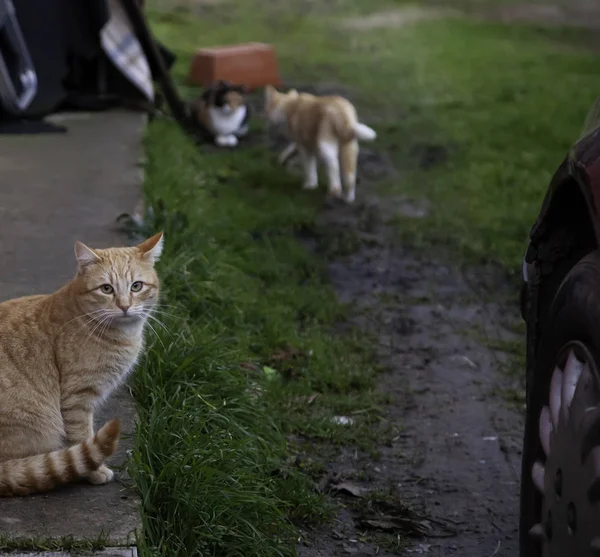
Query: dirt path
[{"x": 451, "y": 473}]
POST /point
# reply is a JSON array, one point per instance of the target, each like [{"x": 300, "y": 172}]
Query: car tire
[{"x": 573, "y": 319}]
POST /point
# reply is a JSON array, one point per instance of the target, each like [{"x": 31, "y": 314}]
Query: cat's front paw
[
  {"x": 101, "y": 476},
  {"x": 226, "y": 140},
  {"x": 222, "y": 140}
]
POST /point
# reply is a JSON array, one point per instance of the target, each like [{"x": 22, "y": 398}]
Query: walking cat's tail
[
  {"x": 364, "y": 133},
  {"x": 39, "y": 473}
]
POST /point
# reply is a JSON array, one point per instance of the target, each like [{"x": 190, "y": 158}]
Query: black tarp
[
  {"x": 60, "y": 34},
  {"x": 63, "y": 38}
]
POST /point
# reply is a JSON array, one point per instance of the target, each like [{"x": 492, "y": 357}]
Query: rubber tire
[{"x": 573, "y": 316}]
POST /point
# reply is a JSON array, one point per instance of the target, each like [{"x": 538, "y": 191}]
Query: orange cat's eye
[
  {"x": 136, "y": 286},
  {"x": 107, "y": 289}
]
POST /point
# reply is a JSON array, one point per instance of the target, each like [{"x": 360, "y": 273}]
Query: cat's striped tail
[{"x": 39, "y": 473}]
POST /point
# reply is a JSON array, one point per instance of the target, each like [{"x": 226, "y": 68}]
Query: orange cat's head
[
  {"x": 118, "y": 286},
  {"x": 275, "y": 102}
]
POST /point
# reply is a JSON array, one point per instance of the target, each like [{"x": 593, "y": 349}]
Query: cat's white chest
[{"x": 227, "y": 123}]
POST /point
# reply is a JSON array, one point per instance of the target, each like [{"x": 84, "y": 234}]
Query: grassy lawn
[
  {"x": 246, "y": 357},
  {"x": 245, "y": 367},
  {"x": 497, "y": 105}
]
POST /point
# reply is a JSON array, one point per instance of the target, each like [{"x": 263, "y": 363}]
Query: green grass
[
  {"x": 500, "y": 105},
  {"x": 248, "y": 358},
  {"x": 485, "y": 96},
  {"x": 249, "y": 311},
  {"x": 42, "y": 543}
]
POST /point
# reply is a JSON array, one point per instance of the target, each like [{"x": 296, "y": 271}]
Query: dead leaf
[
  {"x": 351, "y": 489},
  {"x": 249, "y": 366},
  {"x": 289, "y": 361},
  {"x": 308, "y": 400},
  {"x": 287, "y": 353},
  {"x": 407, "y": 526},
  {"x": 337, "y": 534},
  {"x": 382, "y": 524}
]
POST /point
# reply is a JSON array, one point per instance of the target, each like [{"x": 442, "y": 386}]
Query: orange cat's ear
[
  {"x": 152, "y": 247},
  {"x": 85, "y": 256}
]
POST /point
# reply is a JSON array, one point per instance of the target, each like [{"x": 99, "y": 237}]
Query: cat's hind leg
[
  {"x": 348, "y": 163},
  {"x": 329, "y": 151},
  {"x": 309, "y": 165},
  {"x": 287, "y": 153},
  {"x": 28, "y": 441}
]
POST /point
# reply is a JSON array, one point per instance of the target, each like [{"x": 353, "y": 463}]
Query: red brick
[{"x": 253, "y": 64}]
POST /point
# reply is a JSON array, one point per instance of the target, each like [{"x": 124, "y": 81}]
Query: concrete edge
[{"x": 108, "y": 552}]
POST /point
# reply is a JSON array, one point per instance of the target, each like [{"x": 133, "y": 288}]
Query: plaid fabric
[{"x": 122, "y": 47}]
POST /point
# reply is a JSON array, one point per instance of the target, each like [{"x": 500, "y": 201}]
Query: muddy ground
[{"x": 450, "y": 475}]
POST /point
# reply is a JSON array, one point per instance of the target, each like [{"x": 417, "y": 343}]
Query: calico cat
[
  {"x": 222, "y": 112},
  {"x": 61, "y": 355},
  {"x": 320, "y": 127}
]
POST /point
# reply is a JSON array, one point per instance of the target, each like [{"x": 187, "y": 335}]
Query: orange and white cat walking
[
  {"x": 61, "y": 355},
  {"x": 325, "y": 128}
]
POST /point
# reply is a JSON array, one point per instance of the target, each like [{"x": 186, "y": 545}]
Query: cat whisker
[
  {"x": 157, "y": 335},
  {"x": 101, "y": 322},
  {"x": 150, "y": 316},
  {"x": 80, "y": 317},
  {"x": 169, "y": 306},
  {"x": 88, "y": 323},
  {"x": 102, "y": 328},
  {"x": 162, "y": 304},
  {"x": 154, "y": 310},
  {"x": 159, "y": 308},
  {"x": 106, "y": 326},
  {"x": 150, "y": 313}
]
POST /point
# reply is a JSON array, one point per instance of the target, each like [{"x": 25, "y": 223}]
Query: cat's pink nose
[{"x": 124, "y": 308}]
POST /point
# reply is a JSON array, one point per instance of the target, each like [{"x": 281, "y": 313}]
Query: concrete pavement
[{"x": 56, "y": 189}]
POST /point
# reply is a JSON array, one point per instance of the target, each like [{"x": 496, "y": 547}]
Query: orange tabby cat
[
  {"x": 324, "y": 127},
  {"x": 61, "y": 355}
]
